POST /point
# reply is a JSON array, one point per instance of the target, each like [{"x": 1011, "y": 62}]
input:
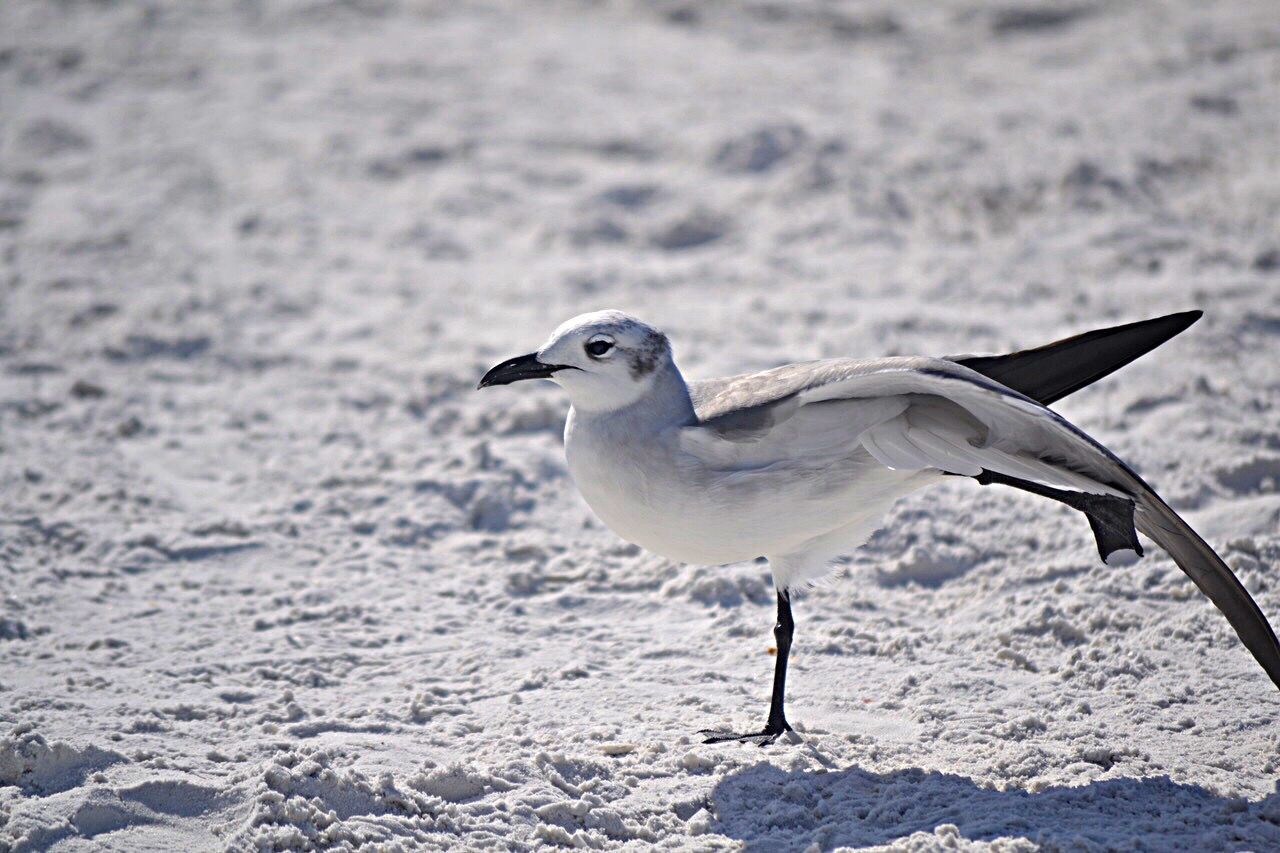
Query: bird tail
[{"x": 1201, "y": 563}]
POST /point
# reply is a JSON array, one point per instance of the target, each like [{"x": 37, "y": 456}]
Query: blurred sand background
[{"x": 272, "y": 575}]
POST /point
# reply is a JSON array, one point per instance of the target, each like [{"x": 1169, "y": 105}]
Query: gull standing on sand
[{"x": 798, "y": 464}]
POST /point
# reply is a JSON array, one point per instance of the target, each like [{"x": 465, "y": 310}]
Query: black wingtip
[{"x": 1053, "y": 371}]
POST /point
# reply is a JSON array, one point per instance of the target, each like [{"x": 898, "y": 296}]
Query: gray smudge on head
[
  {"x": 644, "y": 359},
  {"x": 642, "y": 346}
]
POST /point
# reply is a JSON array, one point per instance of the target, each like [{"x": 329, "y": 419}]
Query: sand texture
[{"x": 273, "y": 576}]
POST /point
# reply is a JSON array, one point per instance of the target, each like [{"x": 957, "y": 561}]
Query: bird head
[{"x": 605, "y": 360}]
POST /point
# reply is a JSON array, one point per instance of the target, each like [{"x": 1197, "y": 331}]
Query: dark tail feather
[
  {"x": 1214, "y": 578},
  {"x": 1053, "y": 371}
]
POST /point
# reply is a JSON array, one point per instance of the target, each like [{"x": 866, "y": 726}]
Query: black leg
[
  {"x": 777, "y": 724},
  {"x": 1110, "y": 518},
  {"x": 782, "y": 632}
]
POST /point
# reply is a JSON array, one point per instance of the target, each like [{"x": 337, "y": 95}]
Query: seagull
[{"x": 799, "y": 464}]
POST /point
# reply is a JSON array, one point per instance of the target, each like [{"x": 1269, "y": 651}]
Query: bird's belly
[
  {"x": 695, "y": 518},
  {"x": 667, "y": 526},
  {"x": 652, "y": 506}
]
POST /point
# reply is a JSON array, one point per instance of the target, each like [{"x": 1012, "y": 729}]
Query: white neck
[{"x": 665, "y": 402}]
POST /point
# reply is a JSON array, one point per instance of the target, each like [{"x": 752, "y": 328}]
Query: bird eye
[{"x": 596, "y": 349}]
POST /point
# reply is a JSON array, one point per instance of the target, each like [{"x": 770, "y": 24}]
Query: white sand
[{"x": 272, "y": 575}]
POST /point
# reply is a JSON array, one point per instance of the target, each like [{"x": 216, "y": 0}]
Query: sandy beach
[{"x": 273, "y": 576}]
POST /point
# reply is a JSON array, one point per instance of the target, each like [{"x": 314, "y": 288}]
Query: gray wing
[
  {"x": 713, "y": 398},
  {"x": 920, "y": 413},
  {"x": 905, "y": 412},
  {"x": 1045, "y": 374}
]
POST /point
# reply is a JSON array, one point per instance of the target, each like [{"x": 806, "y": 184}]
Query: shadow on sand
[{"x": 773, "y": 809}]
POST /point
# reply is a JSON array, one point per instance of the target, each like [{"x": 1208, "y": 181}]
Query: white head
[{"x": 605, "y": 360}]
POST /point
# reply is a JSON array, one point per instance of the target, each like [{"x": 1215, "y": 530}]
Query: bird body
[
  {"x": 649, "y": 485},
  {"x": 800, "y": 463},
  {"x": 805, "y": 469},
  {"x": 661, "y": 479}
]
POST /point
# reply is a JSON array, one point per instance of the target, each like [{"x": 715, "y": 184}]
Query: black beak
[{"x": 518, "y": 368}]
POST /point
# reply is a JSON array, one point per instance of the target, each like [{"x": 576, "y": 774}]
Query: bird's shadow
[{"x": 769, "y": 808}]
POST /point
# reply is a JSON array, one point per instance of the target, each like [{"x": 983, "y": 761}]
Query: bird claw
[{"x": 760, "y": 738}]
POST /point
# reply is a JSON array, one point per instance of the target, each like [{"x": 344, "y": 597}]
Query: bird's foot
[{"x": 768, "y": 735}]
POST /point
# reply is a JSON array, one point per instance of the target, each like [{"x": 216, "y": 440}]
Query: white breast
[
  {"x": 629, "y": 479},
  {"x": 649, "y": 492}
]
